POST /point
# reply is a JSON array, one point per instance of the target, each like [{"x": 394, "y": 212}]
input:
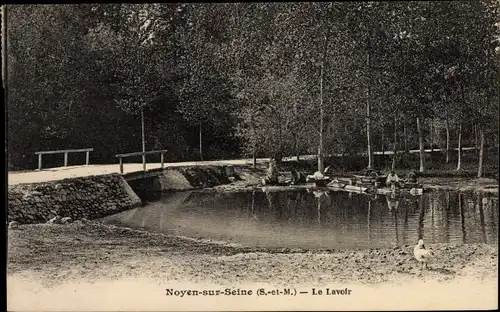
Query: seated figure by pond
[
  {"x": 393, "y": 180},
  {"x": 271, "y": 175}
]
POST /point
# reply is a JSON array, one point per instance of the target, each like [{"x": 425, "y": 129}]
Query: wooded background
[{"x": 229, "y": 80}]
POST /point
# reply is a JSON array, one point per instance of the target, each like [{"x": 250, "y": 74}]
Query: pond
[{"x": 318, "y": 219}]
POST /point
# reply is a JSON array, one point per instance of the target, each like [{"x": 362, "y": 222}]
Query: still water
[{"x": 317, "y": 219}]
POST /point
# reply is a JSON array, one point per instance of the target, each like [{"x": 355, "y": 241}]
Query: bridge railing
[
  {"x": 143, "y": 154},
  {"x": 65, "y": 152}
]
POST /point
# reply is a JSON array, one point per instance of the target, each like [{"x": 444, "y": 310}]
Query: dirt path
[
  {"x": 52, "y": 174},
  {"x": 51, "y": 257}
]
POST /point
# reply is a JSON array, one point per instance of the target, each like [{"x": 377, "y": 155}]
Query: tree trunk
[
  {"x": 459, "y": 162},
  {"x": 297, "y": 154},
  {"x": 394, "y": 149},
  {"x": 321, "y": 163},
  {"x": 143, "y": 140},
  {"x": 383, "y": 147},
  {"x": 421, "y": 145},
  {"x": 447, "y": 127},
  {"x": 447, "y": 140},
  {"x": 254, "y": 154},
  {"x": 481, "y": 154},
  {"x": 432, "y": 135},
  {"x": 201, "y": 142},
  {"x": 368, "y": 110},
  {"x": 280, "y": 144},
  {"x": 476, "y": 138},
  {"x": 407, "y": 150},
  {"x": 254, "y": 145}
]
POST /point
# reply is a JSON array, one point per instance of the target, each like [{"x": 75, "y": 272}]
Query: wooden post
[
  {"x": 432, "y": 135},
  {"x": 121, "y": 165},
  {"x": 65, "y": 159},
  {"x": 87, "y": 158},
  {"x": 39, "y": 161},
  {"x": 162, "y": 165}
]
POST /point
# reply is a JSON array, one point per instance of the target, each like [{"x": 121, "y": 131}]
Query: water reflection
[
  {"x": 462, "y": 217},
  {"x": 392, "y": 202},
  {"x": 326, "y": 219}
]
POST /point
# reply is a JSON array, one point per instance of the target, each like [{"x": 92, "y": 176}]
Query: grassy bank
[{"x": 436, "y": 165}]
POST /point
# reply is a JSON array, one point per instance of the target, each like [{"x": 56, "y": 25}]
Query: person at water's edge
[
  {"x": 393, "y": 180},
  {"x": 272, "y": 174}
]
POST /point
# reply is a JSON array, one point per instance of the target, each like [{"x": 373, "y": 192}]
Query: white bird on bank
[{"x": 421, "y": 254}]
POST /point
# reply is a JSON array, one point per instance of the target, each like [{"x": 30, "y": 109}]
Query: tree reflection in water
[
  {"x": 431, "y": 206},
  {"x": 254, "y": 215},
  {"x": 368, "y": 220},
  {"x": 421, "y": 218},
  {"x": 273, "y": 204},
  {"x": 320, "y": 195},
  {"x": 333, "y": 218},
  {"x": 395, "y": 213},
  {"x": 447, "y": 218},
  {"x": 481, "y": 217},
  {"x": 462, "y": 217},
  {"x": 392, "y": 201}
]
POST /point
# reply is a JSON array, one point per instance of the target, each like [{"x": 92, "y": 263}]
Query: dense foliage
[{"x": 225, "y": 80}]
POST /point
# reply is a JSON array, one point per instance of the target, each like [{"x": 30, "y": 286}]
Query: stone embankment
[
  {"x": 222, "y": 178},
  {"x": 77, "y": 198},
  {"x": 99, "y": 196},
  {"x": 185, "y": 178}
]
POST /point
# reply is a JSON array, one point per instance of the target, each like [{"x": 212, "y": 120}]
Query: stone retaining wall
[
  {"x": 87, "y": 197},
  {"x": 205, "y": 176},
  {"x": 182, "y": 179}
]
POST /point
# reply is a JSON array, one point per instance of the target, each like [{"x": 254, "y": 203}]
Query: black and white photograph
[{"x": 246, "y": 156}]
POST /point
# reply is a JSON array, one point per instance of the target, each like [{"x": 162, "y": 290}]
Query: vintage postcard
[{"x": 252, "y": 155}]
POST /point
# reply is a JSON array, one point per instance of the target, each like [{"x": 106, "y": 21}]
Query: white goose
[{"x": 421, "y": 254}]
